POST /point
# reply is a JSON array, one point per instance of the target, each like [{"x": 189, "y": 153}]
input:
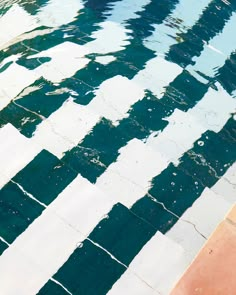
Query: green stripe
[
  {"x": 89, "y": 270},
  {"x": 45, "y": 177},
  {"x": 17, "y": 211},
  {"x": 122, "y": 233}
]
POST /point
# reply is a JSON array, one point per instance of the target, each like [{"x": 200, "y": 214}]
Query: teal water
[{"x": 125, "y": 230}]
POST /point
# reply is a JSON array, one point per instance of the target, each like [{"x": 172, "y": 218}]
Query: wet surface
[{"x": 118, "y": 138}]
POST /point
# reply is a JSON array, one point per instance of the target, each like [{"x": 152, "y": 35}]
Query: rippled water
[{"x": 131, "y": 99}]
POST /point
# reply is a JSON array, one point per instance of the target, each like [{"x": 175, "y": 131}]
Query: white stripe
[
  {"x": 125, "y": 10},
  {"x": 210, "y": 113},
  {"x": 66, "y": 59},
  {"x": 216, "y": 51},
  {"x": 130, "y": 282},
  {"x": 214, "y": 109},
  {"x": 166, "y": 34},
  {"x": 113, "y": 35},
  {"x": 128, "y": 178},
  {"x": 160, "y": 263},
  {"x": 11, "y": 58},
  {"x": 27, "y": 36},
  {"x": 37, "y": 254},
  {"x": 206, "y": 212},
  {"x": 186, "y": 235},
  {"x": 13, "y": 80},
  {"x": 168, "y": 71},
  {"x": 105, "y": 60},
  {"x": 114, "y": 98},
  {"x": 17, "y": 21},
  {"x": 226, "y": 186},
  {"x": 65, "y": 128},
  {"x": 157, "y": 75},
  {"x": 203, "y": 217},
  {"x": 47, "y": 243},
  {"x": 56, "y": 13},
  {"x": 82, "y": 205},
  {"x": 16, "y": 151},
  {"x": 179, "y": 135}
]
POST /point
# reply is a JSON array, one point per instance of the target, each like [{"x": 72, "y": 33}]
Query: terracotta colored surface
[
  {"x": 213, "y": 270},
  {"x": 232, "y": 215}
]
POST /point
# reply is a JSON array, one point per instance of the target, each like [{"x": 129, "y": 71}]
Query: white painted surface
[
  {"x": 127, "y": 179},
  {"x": 214, "y": 109},
  {"x": 113, "y": 35},
  {"x": 113, "y": 100},
  {"x": 185, "y": 235},
  {"x": 11, "y": 58},
  {"x": 12, "y": 81},
  {"x": 27, "y": 36},
  {"x": 82, "y": 205},
  {"x": 57, "y": 13},
  {"x": 3, "y": 180},
  {"x": 66, "y": 59},
  {"x": 105, "y": 60},
  {"x": 179, "y": 135},
  {"x": 65, "y": 128},
  {"x": 207, "y": 212},
  {"x": 49, "y": 241},
  {"x": 129, "y": 282},
  {"x": 37, "y": 254},
  {"x": 184, "y": 128},
  {"x": 115, "y": 97},
  {"x": 15, "y": 22},
  {"x": 200, "y": 219},
  {"x": 157, "y": 75},
  {"x": 160, "y": 263},
  {"x": 111, "y": 38},
  {"x": 216, "y": 51},
  {"x": 125, "y": 10},
  {"x": 16, "y": 151},
  {"x": 166, "y": 33},
  {"x": 226, "y": 186}
]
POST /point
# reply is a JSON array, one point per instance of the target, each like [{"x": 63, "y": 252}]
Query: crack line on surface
[
  {"x": 28, "y": 194},
  {"x": 60, "y": 284},
  {"x": 4, "y": 241},
  {"x": 229, "y": 181},
  {"x": 28, "y": 110},
  {"x": 161, "y": 203},
  {"x": 175, "y": 215},
  {"x": 141, "y": 279},
  {"x": 195, "y": 227},
  {"x": 112, "y": 256}
]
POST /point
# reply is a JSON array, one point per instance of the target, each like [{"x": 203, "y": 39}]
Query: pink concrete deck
[{"x": 213, "y": 271}]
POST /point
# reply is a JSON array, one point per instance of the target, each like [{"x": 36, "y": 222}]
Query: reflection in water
[
  {"x": 227, "y": 74},
  {"x": 211, "y": 23},
  {"x": 138, "y": 99}
]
